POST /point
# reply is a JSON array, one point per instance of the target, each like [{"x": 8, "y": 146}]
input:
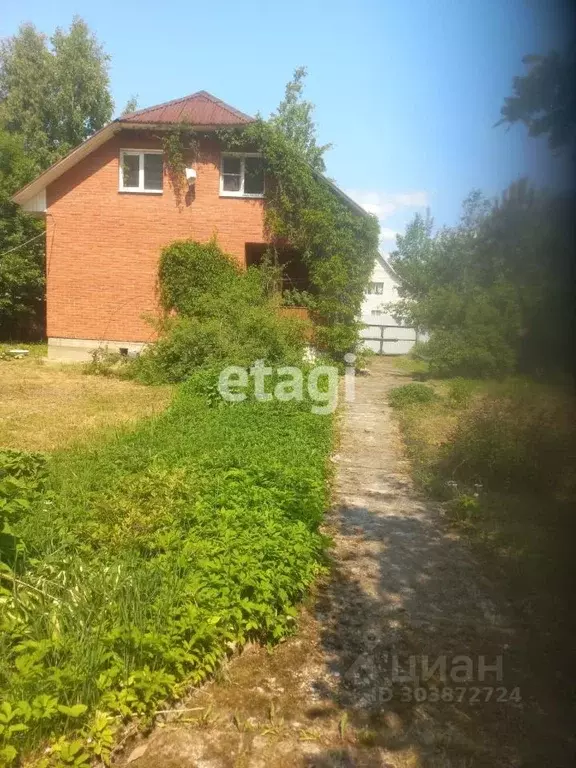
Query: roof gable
[{"x": 199, "y": 109}]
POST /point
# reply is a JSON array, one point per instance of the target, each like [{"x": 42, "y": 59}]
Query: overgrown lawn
[{"x": 137, "y": 563}]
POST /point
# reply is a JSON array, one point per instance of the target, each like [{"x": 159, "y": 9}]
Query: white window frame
[
  {"x": 372, "y": 290},
  {"x": 240, "y": 192},
  {"x": 140, "y": 188}
]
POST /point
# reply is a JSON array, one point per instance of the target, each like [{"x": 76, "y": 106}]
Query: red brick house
[{"x": 110, "y": 209}]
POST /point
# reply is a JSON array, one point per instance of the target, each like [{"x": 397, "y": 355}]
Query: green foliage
[
  {"x": 293, "y": 297},
  {"x": 53, "y": 96},
  {"x": 514, "y": 440},
  {"x": 411, "y": 394},
  {"x": 493, "y": 293},
  {"x": 463, "y": 508},
  {"x": 460, "y": 392},
  {"x": 21, "y": 482},
  {"x": 294, "y": 119},
  {"x": 178, "y": 144},
  {"x": 21, "y": 266},
  {"x": 338, "y": 244},
  {"x": 480, "y": 352},
  {"x": 131, "y": 106},
  {"x": 224, "y": 316},
  {"x": 148, "y": 558},
  {"x": 191, "y": 274},
  {"x": 544, "y": 99}
]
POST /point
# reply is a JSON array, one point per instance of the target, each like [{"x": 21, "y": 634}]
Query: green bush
[
  {"x": 224, "y": 316},
  {"x": 481, "y": 353},
  {"x": 151, "y": 557},
  {"x": 191, "y": 273},
  {"x": 411, "y": 394}
]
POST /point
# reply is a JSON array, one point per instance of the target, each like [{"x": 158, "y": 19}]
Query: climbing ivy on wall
[
  {"x": 338, "y": 245},
  {"x": 179, "y": 145}
]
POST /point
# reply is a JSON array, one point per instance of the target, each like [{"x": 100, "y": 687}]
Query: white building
[{"x": 383, "y": 334}]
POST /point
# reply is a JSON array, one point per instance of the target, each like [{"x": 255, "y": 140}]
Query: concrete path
[{"x": 404, "y": 657}]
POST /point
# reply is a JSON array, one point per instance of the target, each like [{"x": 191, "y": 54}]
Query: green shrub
[
  {"x": 411, "y": 394},
  {"x": 190, "y": 271},
  {"x": 153, "y": 555},
  {"x": 224, "y": 316},
  {"x": 481, "y": 353}
]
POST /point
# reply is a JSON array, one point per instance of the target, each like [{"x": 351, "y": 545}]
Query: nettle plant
[{"x": 337, "y": 245}]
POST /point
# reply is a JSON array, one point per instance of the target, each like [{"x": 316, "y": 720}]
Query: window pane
[
  {"x": 153, "y": 171},
  {"x": 231, "y": 165},
  {"x": 231, "y": 183},
  {"x": 130, "y": 170},
  {"x": 253, "y": 176},
  {"x": 377, "y": 288}
]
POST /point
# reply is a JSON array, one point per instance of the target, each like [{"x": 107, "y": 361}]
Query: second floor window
[
  {"x": 141, "y": 170},
  {"x": 376, "y": 288},
  {"x": 242, "y": 176}
]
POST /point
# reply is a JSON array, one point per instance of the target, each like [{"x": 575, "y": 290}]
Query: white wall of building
[{"x": 383, "y": 334}]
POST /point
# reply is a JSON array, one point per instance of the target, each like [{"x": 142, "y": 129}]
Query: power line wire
[{"x": 22, "y": 244}]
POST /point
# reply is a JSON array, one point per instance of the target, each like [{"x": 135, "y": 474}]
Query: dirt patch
[
  {"x": 45, "y": 407},
  {"x": 406, "y": 656}
]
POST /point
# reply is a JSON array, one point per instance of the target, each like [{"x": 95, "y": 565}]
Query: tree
[
  {"x": 131, "y": 105},
  {"x": 294, "y": 119},
  {"x": 21, "y": 247},
  {"x": 545, "y": 98},
  {"x": 494, "y": 291},
  {"x": 413, "y": 255},
  {"x": 54, "y": 97},
  {"x": 82, "y": 101},
  {"x": 26, "y": 80}
]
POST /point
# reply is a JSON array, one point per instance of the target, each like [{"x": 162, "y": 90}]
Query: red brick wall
[{"x": 103, "y": 245}]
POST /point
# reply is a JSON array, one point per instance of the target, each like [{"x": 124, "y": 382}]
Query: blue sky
[{"x": 408, "y": 91}]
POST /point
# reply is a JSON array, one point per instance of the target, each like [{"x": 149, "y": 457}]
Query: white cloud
[
  {"x": 383, "y": 204},
  {"x": 388, "y": 234}
]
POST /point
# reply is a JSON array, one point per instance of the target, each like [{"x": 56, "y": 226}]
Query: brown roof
[{"x": 199, "y": 108}]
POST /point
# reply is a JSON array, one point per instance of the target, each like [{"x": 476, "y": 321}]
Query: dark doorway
[{"x": 294, "y": 271}]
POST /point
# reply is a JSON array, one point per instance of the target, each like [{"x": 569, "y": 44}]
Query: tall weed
[{"x": 520, "y": 438}]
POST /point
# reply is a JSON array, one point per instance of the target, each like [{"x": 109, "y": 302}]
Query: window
[
  {"x": 242, "y": 176},
  {"x": 376, "y": 288},
  {"x": 141, "y": 171},
  {"x": 376, "y": 313}
]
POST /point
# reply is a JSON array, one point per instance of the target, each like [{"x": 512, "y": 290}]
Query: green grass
[{"x": 147, "y": 558}]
